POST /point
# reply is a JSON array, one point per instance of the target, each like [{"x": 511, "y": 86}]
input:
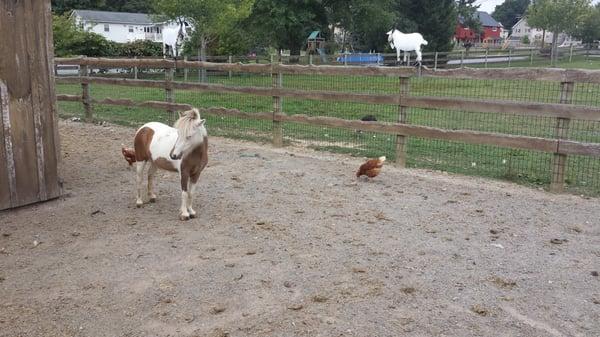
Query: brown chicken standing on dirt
[{"x": 371, "y": 168}]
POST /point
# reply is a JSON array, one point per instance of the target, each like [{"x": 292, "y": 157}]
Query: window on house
[
  {"x": 106, "y": 28},
  {"x": 131, "y": 29}
]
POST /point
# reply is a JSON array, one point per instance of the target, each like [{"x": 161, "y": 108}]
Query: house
[
  {"x": 491, "y": 30},
  {"x": 535, "y": 35},
  {"x": 122, "y": 27}
]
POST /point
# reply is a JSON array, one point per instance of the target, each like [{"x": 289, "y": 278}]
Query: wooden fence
[{"x": 563, "y": 111}]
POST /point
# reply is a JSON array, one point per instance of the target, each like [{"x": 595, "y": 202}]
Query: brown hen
[{"x": 371, "y": 168}]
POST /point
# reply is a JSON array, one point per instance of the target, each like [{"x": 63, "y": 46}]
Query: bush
[
  {"x": 525, "y": 40},
  {"x": 70, "y": 40},
  {"x": 140, "y": 48}
]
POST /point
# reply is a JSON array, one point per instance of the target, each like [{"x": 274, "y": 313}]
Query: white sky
[{"x": 490, "y": 5}]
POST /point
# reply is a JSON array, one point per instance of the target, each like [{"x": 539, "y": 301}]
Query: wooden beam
[{"x": 533, "y": 74}]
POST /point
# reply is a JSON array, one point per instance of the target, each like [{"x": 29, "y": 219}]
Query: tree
[
  {"x": 71, "y": 40},
  {"x": 467, "y": 12},
  {"x": 589, "y": 29},
  {"x": 434, "y": 19},
  {"x": 366, "y": 21},
  {"x": 287, "y": 24},
  {"x": 557, "y": 16},
  {"x": 63, "y": 6},
  {"x": 135, "y": 6},
  {"x": 510, "y": 11},
  {"x": 208, "y": 17}
]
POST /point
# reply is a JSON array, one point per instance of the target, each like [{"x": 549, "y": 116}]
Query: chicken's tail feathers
[
  {"x": 128, "y": 154},
  {"x": 382, "y": 159}
]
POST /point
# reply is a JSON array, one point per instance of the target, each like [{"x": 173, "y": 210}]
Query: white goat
[{"x": 406, "y": 43}]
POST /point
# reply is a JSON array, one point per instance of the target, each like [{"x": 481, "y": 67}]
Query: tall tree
[
  {"x": 434, "y": 19},
  {"x": 509, "y": 12},
  {"x": 467, "y": 12},
  {"x": 365, "y": 21},
  {"x": 62, "y": 6},
  {"x": 557, "y": 16},
  {"x": 135, "y": 6},
  {"x": 589, "y": 29},
  {"x": 287, "y": 24},
  {"x": 209, "y": 17}
]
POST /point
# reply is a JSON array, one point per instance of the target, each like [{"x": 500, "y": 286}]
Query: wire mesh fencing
[{"x": 523, "y": 166}]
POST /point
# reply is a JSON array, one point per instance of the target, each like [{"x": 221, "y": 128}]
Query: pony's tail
[
  {"x": 424, "y": 42},
  {"x": 129, "y": 154}
]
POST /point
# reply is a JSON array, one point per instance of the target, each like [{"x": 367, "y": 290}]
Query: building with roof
[
  {"x": 122, "y": 27},
  {"x": 492, "y": 30},
  {"x": 535, "y": 35}
]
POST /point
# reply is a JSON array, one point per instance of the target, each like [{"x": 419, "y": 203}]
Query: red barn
[{"x": 491, "y": 30}]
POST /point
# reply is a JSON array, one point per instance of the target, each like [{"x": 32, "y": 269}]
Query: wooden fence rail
[{"x": 563, "y": 111}]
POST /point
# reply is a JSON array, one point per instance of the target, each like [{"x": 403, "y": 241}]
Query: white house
[
  {"x": 522, "y": 29},
  {"x": 122, "y": 27}
]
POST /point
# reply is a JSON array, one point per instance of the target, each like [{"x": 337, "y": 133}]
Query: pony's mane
[{"x": 185, "y": 123}]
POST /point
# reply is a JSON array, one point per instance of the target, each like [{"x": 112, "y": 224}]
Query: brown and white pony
[{"x": 183, "y": 149}]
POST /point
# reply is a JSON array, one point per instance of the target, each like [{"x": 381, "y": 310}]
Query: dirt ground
[{"x": 289, "y": 243}]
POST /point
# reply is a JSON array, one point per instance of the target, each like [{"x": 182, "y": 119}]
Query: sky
[{"x": 490, "y": 5}]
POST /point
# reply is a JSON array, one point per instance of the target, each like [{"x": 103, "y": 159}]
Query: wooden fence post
[
  {"x": 310, "y": 59},
  {"x": 230, "y": 60},
  {"x": 509, "y": 57},
  {"x": 561, "y": 130},
  {"x": 277, "y": 82},
  {"x": 185, "y": 70},
  {"x": 402, "y": 118},
  {"x": 462, "y": 58},
  {"x": 531, "y": 56},
  {"x": 435, "y": 61},
  {"x": 85, "y": 88},
  {"x": 135, "y": 70},
  {"x": 487, "y": 51},
  {"x": 169, "y": 94},
  {"x": 571, "y": 54}
]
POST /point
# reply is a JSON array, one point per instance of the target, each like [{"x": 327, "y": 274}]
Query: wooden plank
[
  {"x": 277, "y": 80},
  {"x": 402, "y": 118},
  {"x": 85, "y": 94},
  {"x": 505, "y": 107},
  {"x": 471, "y": 137},
  {"x": 16, "y": 71},
  {"x": 559, "y": 163},
  {"x": 569, "y": 147},
  {"x": 69, "y": 98},
  {"x": 427, "y": 102},
  {"x": 37, "y": 100},
  {"x": 50, "y": 117},
  {"x": 8, "y": 180},
  {"x": 533, "y": 74},
  {"x": 145, "y": 104}
]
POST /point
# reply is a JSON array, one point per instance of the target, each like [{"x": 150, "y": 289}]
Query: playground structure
[{"x": 316, "y": 45}]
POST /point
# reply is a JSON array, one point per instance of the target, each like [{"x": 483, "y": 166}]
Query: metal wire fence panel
[
  {"x": 582, "y": 175},
  {"x": 523, "y": 166},
  {"x": 250, "y": 129}
]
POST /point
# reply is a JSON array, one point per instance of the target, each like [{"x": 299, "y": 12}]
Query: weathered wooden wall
[{"x": 29, "y": 145}]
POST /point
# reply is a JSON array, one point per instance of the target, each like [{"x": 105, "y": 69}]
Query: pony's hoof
[
  {"x": 152, "y": 199},
  {"x": 192, "y": 215},
  {"x": 139, "y": 204},
  {"x": 183, "y": 217}
]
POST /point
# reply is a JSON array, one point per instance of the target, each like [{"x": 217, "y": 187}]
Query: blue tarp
[{"x": 361, "y": 58}]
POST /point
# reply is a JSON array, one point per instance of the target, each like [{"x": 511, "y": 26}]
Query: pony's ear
[
  {"x": 201, "y": 122},
  {"x": 179, "y": 113}
]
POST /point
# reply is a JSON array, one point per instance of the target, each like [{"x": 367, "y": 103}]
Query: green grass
[{"x": 527, "y": 167}]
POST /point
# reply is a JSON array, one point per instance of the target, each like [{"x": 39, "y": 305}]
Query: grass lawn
[{"x": 528, "y": 167}]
